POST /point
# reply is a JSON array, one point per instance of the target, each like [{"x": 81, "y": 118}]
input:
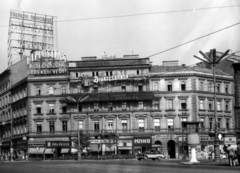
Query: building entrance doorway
[{"x": 171, "y": 149}]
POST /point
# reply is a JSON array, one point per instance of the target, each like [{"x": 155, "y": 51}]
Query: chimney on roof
[{"x": 170, "y": 63}]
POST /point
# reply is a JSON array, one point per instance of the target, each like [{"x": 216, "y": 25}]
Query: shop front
[
  {"x": 125, "y": 146},
  {"x": 58, "y": 150},
  {"x": 141, "y": 144},
  {"x": 5, "y": 150},
  {"x": 36, "y": 151}
]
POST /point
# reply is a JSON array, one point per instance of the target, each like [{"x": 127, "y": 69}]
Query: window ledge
[
  {"x": 183, "y": 110},
  {"x": 210, "y": 110},
  {"x": 202, "y": 110},
  {"x": 169, "y": 110},
  {"x": 63, "y": 113},
  {"x": 37, "y": 114},
  {"x": 219, "y": 111},
  {"x": 227, "y": 111},
  {"x": 51, "y": 113}
]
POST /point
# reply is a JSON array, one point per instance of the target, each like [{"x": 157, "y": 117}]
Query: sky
[{"x": 146, "y": 27}]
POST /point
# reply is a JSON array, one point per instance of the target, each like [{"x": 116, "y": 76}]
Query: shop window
[
  {"x": 50, "y": 90},
  {"x": 183, "y": 86},
  {"x": 64, "y": 107},
  {"x": 80, "y": 125},
  {"x": 38, "y": 109},
  {"x": 96, "y": 108},
  {"x": 124, "y": 125},
  {"x": 141, "y": 124},
  {"x": 96, "y": 125},
  {"x": 170, "y": 124},
  {"x": 110, "y": 107},
  {"x": 76, "y": 74},
  {"x": 124, "y": 106},
  {"x": 52, "y": 127},
  {"x": 140, "y": 105},
  {"x": 169, "y": 104},
  {"x": 169, "y": 86},
  {"x": 157, "y": 124},
  {"x": 51, "y": 108},
  {"x": 64, "y": 126},
  {"x": 39, "y": 127}
]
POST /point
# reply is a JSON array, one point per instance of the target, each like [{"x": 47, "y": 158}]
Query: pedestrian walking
[
  {"x": 231, "y": 155},
  {"x": 238, "y": 153}
]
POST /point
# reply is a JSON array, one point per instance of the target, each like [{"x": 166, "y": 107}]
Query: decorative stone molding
[
  {"x": 157, "y": 115},
  {"x": 38, "y": 119},
  {"x": 110, "y": 116},
  {"x": 141, "y": 115},
  {"x": 170, "y": 115},
  {"x": 96, "y": 116},
  {"x": 124, "y": 116},
  {"x": 51, "y": 118}
]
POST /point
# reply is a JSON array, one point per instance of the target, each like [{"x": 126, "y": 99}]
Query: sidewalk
[{"x": 222, "y": 162}]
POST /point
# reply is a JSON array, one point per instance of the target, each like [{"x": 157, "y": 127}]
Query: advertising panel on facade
[
  {"x": 230, "y": 140},
  {"x": 142, "y": 141},
  {"x": 58, "y": 144},
  {"x": 27, "y": 32}
]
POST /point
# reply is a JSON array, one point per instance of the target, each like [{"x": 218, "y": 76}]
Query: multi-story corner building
[{"x": 183, "y": 94}]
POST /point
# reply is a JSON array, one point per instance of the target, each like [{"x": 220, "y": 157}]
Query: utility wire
[
  {"x": 193, "y": 40},
  {"x": 142, "y": 14}
]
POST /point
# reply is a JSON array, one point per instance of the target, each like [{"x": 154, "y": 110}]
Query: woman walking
[{"x": 231, "y": 155}]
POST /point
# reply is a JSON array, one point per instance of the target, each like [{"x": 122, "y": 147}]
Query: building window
[
  {"x": 124, "y": 106},
  {"x": 218, "y": 88},
  {"x": 156, "y": 105},
  {"x": 110, "y": 107},
  {"x": 157, "y": 124},
  {"x": 95, "y": 89},
  {"x": 169, "y": 104},
  {"x": 226, "y": 89},
  {"x": 51, "y": 127},
  {"x": 183, "y": 104},
  {"x": 64, "y": 126},
  {"x": 183, "y": 86},
  {"x": 124, "y": 124},
  {"x": 80, "y": 125},
  {"x": 64, "y": 107},
  {"x": 218, "y": 105},
  {"x": 50, "y": 90},
  {"x": 209, "y": 86},
  {"x": 201, "y": 104},
  {"x": 39, "y": 127},
  {"x": 38, "y": 109},
  {"x": 140, "y": 105},
  {"x": 140, "y": 88},
  {"x": 227, "y": 106},
  {"x": 96, "y": 108},
  {"x": 76, "y": 74},
  {"x": 141, "y": 124},
  {"x": 210, "y": 123},
  {"x": 96, "y": 125},
  {"x": 51, "y": 108},
  {"x": 123, "y": 88},
  {"x": 110, "y": 124},
  {"x": 219, "y": 122},
  {"x": 210, "y": 105},
  {"x": 170, "y": 123},
  {"x": 155, "y": 86},
  {"x": 201, "y": 86},
  {"x": 227, "y": 123},
  {"x": 169, "y": 86},
  {"x": 38, "y": 90},
  {"x": 138, "y": 72},
  {"x": 202, "y": 122},
  {"x": 64, "y": 90}
]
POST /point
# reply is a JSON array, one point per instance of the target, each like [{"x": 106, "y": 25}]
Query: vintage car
[{"x": 151, "y": 155}]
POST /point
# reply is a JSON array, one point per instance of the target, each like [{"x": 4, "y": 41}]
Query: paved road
[{"x": 111, "y": 166}]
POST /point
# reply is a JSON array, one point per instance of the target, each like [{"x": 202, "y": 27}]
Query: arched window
[{"x": 156, "y": 86}]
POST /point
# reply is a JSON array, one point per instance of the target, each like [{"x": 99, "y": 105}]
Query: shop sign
[
  {"x": 36, "y": 145},
  {"x": 230, "y": 140},
  {"x": 109, "y": 78},
  {"x": 99, "y": 141},
  {"x": 142, "y": 141},
  {"x": 180, "y": 138},
  {"x": 165, "y": 138},
  {"x": 51, "y": 144}
]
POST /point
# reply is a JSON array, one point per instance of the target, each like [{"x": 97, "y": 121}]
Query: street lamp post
[
  {"x": 213, "y": 60},
  {"x": 37, "y": 152},
  {"x": 78, "y": 99}
]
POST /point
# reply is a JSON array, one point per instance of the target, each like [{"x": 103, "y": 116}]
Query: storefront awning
[
  {"x": 64, "y": 150},
  {"x": 108, "y": 149},
  {"x": 35, "y": 151},
  {"x": 74, "y": 150},
  {"x": 49, "y": 151}
]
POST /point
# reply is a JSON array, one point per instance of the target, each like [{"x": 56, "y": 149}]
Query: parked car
[{"x": 151, "y": 155}]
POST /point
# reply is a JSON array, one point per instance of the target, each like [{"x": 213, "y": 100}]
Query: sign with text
[
  {"x": 109, "y": 78},
  {"x": 230, "y": 140},
  {"x": 36, "y": 145},
  {"x": 58, "y": 144},
  {"x": 142, "y": 141}
]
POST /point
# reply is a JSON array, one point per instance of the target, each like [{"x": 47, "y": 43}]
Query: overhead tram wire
[{"x": 142, "y": 14}]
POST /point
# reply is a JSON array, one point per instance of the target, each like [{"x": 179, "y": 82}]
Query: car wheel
[
  {"x": 145, "y": 158},
  {"x": 159, "y": 158},
  {"x": 139, "y": 159},
  {"x": 153, "y": 159}
]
